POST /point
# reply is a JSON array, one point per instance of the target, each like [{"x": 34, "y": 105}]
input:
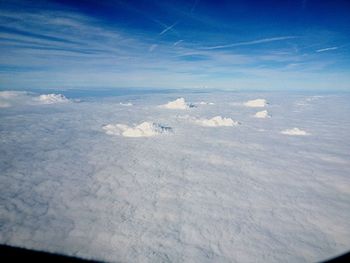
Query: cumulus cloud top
[
  {"x": 128, "y": 104},
  {"x": 52, "y": 98},
  {"x": 4, "y": 104},
  {"x": 217, "y": 121},
  {"x": 10, "y": 98},
  {"x": 11, "y": 94},
  {"x": 145, "y": 129},
  {"x": 262, "y": 114},
  {"x": 258, "y": 103},
  {"x": 295, "y": 132},
  {"x": 16, "y": 98},
  {"x": 206, "y": 103},
  {"x": 178, "y": 104}
]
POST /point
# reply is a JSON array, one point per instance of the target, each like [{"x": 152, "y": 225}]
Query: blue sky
[{"x": 245, "y": 45}]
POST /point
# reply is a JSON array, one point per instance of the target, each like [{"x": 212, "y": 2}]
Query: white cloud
[
  {"x": 262, "y": 114},
  {"x": 145, "y": 129},
  {"x": 178, "y": 104},
  {"x": 4, "y": 104},
  {"x": 16, "y": 98},
  {"x": 217, "y": 121},
  {"x": 11, "y": 98},
  {"x": 8, "y": 94},
  {"x": 295, "y": 132},
  {"x": 206, "y": 103},
  {"x": 247, "y": 43},
  {"x": 258, "y": 103},
  {"x": 198, "y": 181},
  {"x": 126, "y": 104},
  {"x": 52, "y": 98}
]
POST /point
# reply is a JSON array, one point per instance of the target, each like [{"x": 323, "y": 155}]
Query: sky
[{"x": 231, "y": 45}]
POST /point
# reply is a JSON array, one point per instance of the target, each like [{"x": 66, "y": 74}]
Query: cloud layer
[{"x": 68, "y": 187}]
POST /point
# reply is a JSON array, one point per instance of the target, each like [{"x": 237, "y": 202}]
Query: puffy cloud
[
  {"x": 178, "y": 104},
  {"x": 145, "y": 129},
  {"x": 295, "y": 132},
  {"x": 8, "y": 94},
  {"x": 4, "y": 104},
  {"x": 262, "y": 114},
  {"x": 14, "y": 98},
  {"x": 217, "y": 121},
  {"x": 52, "y": 98},
  {"x": 258, "y": 103},
  {"x": 206, "y": 103},
  {"x": 11, "y": 98},
  {"x": 128, "y": 104}
]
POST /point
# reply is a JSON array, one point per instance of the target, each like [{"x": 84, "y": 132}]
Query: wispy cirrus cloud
[
  {"x": 67, "y": 48},
  {"x": 247, "y": 43}
]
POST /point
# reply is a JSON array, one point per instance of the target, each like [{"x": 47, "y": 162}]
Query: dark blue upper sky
[{"x": 175, "y": 44}]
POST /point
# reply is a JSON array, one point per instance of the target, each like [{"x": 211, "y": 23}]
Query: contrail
[
  {"x": 194, "y": 5},
  {"x": 168, "y": 28},
  {"x": 326, "y": 49},
  {"x": 152, "y": 47},
  {"x": 177, "y": 42},
  {"x": 258, "y": 41}
]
